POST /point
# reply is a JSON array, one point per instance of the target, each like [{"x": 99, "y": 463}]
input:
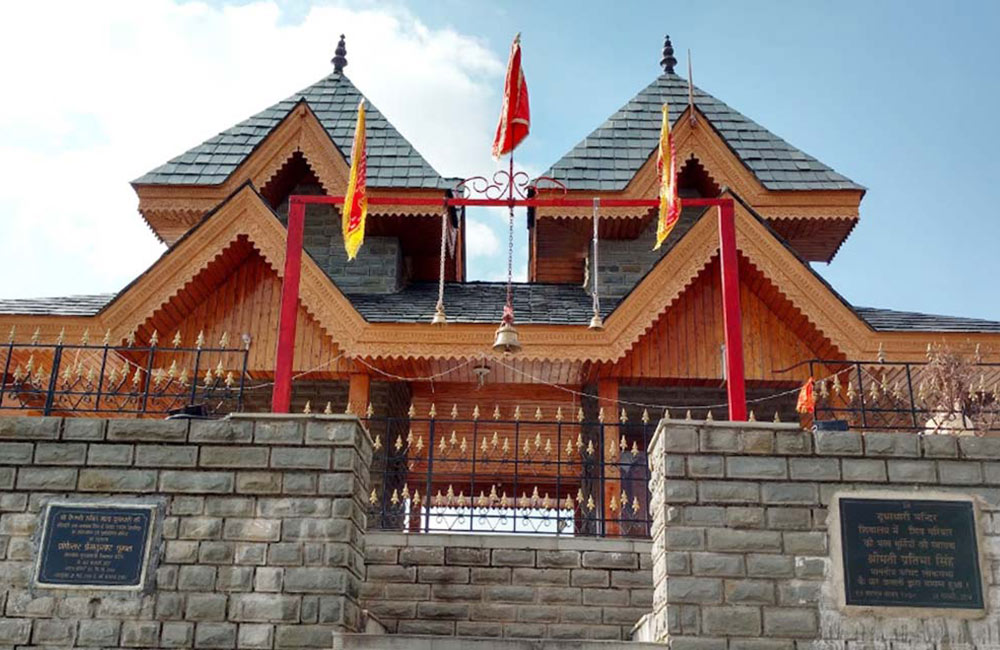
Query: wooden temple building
[{"x": 364, "y": 340}]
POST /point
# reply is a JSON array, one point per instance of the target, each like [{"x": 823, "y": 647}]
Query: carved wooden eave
[
  {"x": 701, "y": 141},
  {"x": 171, "y": 210}
]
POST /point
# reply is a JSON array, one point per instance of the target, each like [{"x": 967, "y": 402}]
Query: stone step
[{"x": 419, "y": 642}]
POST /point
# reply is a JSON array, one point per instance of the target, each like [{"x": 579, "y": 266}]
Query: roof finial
[
  {"x": 340, "y": 60},
  {"x": 668, "y": 61}
]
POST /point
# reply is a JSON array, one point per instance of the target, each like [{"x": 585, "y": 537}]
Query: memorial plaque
[
  {"x": 95, "y": 545},
  {"x": 910, "y": 553}
]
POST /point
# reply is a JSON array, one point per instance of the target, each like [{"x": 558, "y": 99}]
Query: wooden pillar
[
  {"x": 607, "y": 393},
  {"x": 357, "y": 394}
]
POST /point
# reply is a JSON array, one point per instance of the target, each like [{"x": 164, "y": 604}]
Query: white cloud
[
  {"x": 117, "y": 87},
  {"x": 480, "y": 240}
]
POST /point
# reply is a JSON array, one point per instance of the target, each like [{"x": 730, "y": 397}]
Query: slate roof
[
  {"x": 482, "y": 302},
  {"x": 65, "y": 306},
  {"x": 392, "y": 161},
  {"x": 887, "y": 320},
  {"x": 610, "y": 156}
]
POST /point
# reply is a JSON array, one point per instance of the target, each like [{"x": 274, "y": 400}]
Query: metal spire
[
  {"x": 668, "y": 61},
  {"x": 340, "y": 58}
]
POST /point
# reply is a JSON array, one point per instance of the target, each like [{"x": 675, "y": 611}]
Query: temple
[{"x": 202, "y": 322}]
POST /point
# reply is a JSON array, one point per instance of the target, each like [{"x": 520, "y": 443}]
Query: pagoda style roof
[
  {"x": 392, "y": 161},
  {"x": 611, "y": 155}
]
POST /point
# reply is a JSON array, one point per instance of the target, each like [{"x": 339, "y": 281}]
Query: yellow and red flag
[
  {"x": 807, "y": 398},
  {"x": 666, "y": 165},
  {"x": 356, "y": 200},
  {"x": 515, "y": 116}
]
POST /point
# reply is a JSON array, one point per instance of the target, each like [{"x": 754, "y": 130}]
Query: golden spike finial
[
  {"x": 517, "y": 413},
  {"x": 777, "y": 416},
  {"x": 36, "y": 336},
  {"x": 416, "y": 497},
  {"x": 328, "y": 409},
  {"x": 177, "y": 339},
  {"x": 709, "y": 417},
  {"x": 569, "y": 447},
  {"x": 464, "y": 447},
  {"x": 568, "y": 503},
  {"x": 10, "y": 337},
  {"x": 753, "y": 416},
  {"x": 579, "y": 441},
  {"x": 645, "y": 416},
  {"x": 308, "y": 407},
  {"x": 527, "y": 447},
  {"x": 412, "y": 411},
  {"x": 85, "y": 338},
  {"x": 506, "y": 446},
  {"x": 623, "y": 417},
  {"x": 137, "y": 377},
  {"x": 496, "y": 440},
  {"x": 443, "y": 446},
  {"x": 399, "y": 442},
  {"x": 419, "y": 445},
  {"x": 687, "y": 416},
  {"x": 208, "y": 376},
  {"x": 31, "y": 363},
  {"x": 600, "y": 414},
  {"x": 394, "y": 499},
  {"x": 61, "y": 337},
  {"x": 224, "y": 340},
  {"x": 590, "y": 503},
  {"x": 158, "y": 375},
  {"x": 200, "y": 341},
  {"x": 623, "y": 444},
  {"x": 377, "y": 443},
  {"x": 433, "y": 411},
  {"x": 635, "y": 448},
  {"x": 666, "y": 414},
  {"x": 90, "y": 376},
  {"x": 635, "y": 505},
  {"x": 370, "y": 411},
  {"x": 613, "y": 504},
  {"x": 230, "y": 379},
  {"x": 454, "y": 411},
  {"x": 107, "y": 337},
  {"x": 130, "y": 339},
  {"x": 538, "y": 441},
  {"x": 172, "y": 370},
  {"x": 454, "y": 438},
  {"x": 579, "y": 414},
  {"x": 559, "y": 414},
  {"x": 475, "y": 412},
  {"x": 373, "y": 497},
  {"x": 219, "y": 370},
  {"x": 548, "y": 446},
  {"x": 496, "y": 412},
  {"x": 538, "y": 413},
  {"x": 590, "y": 447},
  {"x": 154, "y": 339},
  {"x": 183, "y": 379}
]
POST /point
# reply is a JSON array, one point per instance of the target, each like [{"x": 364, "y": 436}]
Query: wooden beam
[
  {"x": 607, "y": 394},
  {"x": 357, "y": 394},
  {"x": 285, "y": 355}
]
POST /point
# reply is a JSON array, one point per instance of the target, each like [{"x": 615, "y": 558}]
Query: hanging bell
[
  {"x": 596, "y": 322},
  {"x": 506, "y": 340},
  {"x": 439, "y": 317}
]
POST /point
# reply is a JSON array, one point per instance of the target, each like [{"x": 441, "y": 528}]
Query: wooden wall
[
  {"x": 685, "y": 342},
  {"x": 240, "y": 293}
]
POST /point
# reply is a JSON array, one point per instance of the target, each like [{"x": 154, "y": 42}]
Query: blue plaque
[
  {"x": 95, "y": 545},
  {"x": 910, "y": 553}
]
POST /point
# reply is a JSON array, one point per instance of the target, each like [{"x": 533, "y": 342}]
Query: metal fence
[
  {"x": 561, "y": 476},
  {"x": 56, "y": 378},
  {"x": 941, "y": 395}
]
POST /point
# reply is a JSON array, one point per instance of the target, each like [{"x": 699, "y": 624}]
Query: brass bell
[
  {"x": 506, "y": 340},
  {"x": 596, "y": 322},
  {"x": 439, "y": 317}
]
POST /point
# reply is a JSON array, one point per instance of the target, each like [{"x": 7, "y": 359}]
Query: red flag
[
  {"x": 807, "y": 399},
  {"x": 515, "y": 116}
]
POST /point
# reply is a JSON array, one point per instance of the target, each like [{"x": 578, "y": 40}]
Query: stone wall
[
  {"x": 378, "y": 268},
  {"x": 741, "y": 549},
  {"x": 507, "y": 585},
  {"x": 262, "y": 536}
]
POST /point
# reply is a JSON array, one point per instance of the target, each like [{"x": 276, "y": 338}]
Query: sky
[{"x": 899, "y": 96}]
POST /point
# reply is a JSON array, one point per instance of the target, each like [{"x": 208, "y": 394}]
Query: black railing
[
  {"x": 55, "y": 378},
  {"x": 924, "y": 396},
  {"x": 483, "y": 475}
]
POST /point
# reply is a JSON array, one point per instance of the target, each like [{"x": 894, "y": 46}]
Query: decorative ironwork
[
  {"x": 516, "y": 475},
  {"x": 125, "y": 379},
  {"x": 928, "y": 396}
]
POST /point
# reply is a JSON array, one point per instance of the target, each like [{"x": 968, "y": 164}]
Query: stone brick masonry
[
  {"x": 741, "y": 551},
  {"x": 507, "y": 585},
  {"x": 262, "y": 539}
]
